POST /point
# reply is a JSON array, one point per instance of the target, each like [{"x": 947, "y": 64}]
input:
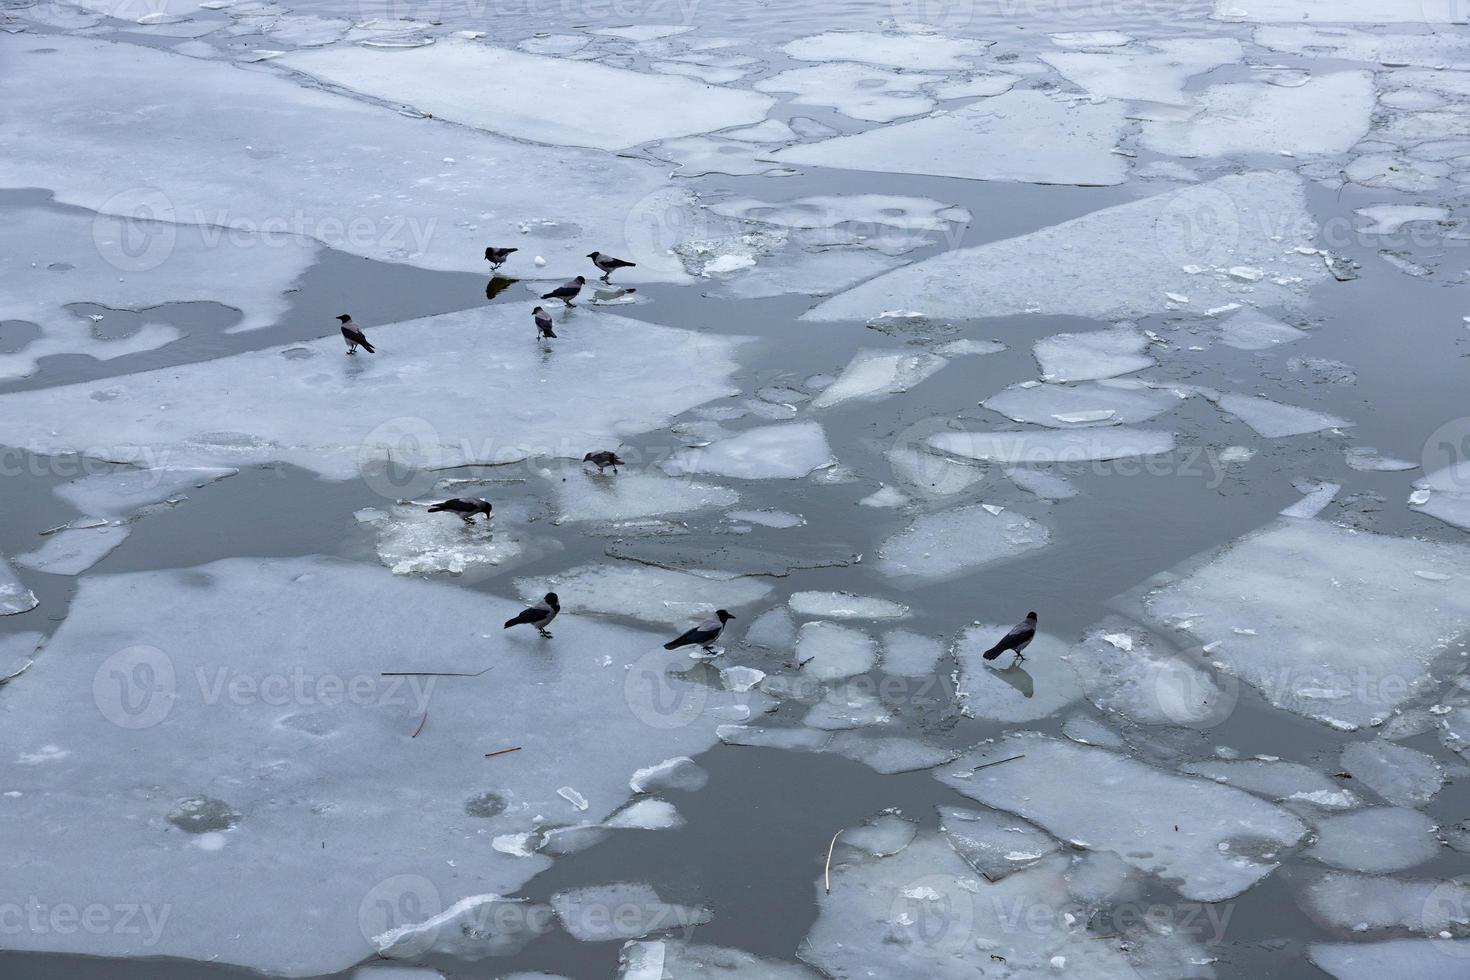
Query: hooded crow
[
  {"x": 567, "y": 291},
  {"x": 465, "y": 507},
  {"x": 602, "y": 459},
  {"x": 543, "y": 323},
  {"x": 497, "y": 256},
  {"x": 704, "y": 635},
  {"x": 354, "y": 336},
  {"x": 1017, "y": 639},
  {"x": 608, "y": 264},
  {"x": 540, "y": 615}
]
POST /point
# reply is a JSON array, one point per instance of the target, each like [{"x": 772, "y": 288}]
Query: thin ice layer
[
  {"x": 1296, "y": 609},
  {"x": 876, "y": 374},
  {"x": 251, "y": 150},
  {"x": 1156, "y": 73},
  {"x": 1227, "y": 840},
  {"x": 773, "y": 452},
  {"x": 1274, "y": 419},
  {"x": 533, "y": 97},
  {"x": 654, "y": 595},
  {"x": 1060, "y": 406},
  {"x": 419, "y": 400},
  {"x": 52, "y": 258},
  {"x": 1182, "y": 242},
  {"x": 173, "y": 747},
  {"x": 73, "y": 550},
  {"x": 585, "y": 496},
  {"x": 1093, "y": 355},
  {"x": 1025, "y": 136},
  {"x": 127, "y": 491},
  {"x": 926, "y": 548},
  {"x": 1422, "y": 959},
  {"x": 1378, "y": 839}
]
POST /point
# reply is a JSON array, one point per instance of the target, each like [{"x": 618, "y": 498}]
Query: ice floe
[
  {"x": 584, "y": 496},
  {"x": 51, "y": 259},
  {"x": 1401, "y": 775},
  {"x": 1422, "y": 959},
  {"x": 1325, "y": 116},
  {"x": 418, "y": 400},
  {"x": 1021, "y": 136},
  {"x": 1253, "y": 330},
  {"x": 158, "y": 691},
  {"x": 877, "y": 374},
  {"x": 532, "y": 97},
  {"x": 1060, "y": 406},
  {"x": 1154, "y": 74},
  {"x": 1365, "y": 902},
  {"x": 831, "y": 652},
  {"x": 993, "y": 843},
  {"x": 1090, "y": 356},
  {"x": 128, "y": 491},
  {"x": 890, "y": 755},
  {"x": 14, "y": 596},
  {"x": 1315, "y": 498},
  {"x": 1378, "y": 839},
  {"x": 626, "y": 910},
  {"x": 1064, "y": 446},
  {"x": 909, "y": 654},
  {"x": 73, "y": 550},
  {"x": 275, "y": 162},
  {"x": 845, "y": 605},
  {"x": 858, "y": 91},
  {"x": 1284, "y": 782},
  {"x": 1227, "y": 840},
  {"x": 1295, "y": 610},
  {"x": 1257, "y": 220},
  {"x": 653, "y": 595},
  {"x": 1274, "y": 419},
  {"x": 1046, "y": 683},
  {"x": 1132, "y": 675},
  {"x": 411, "y": 541},
  {"x": 901, "y": 50},
  {"x": 772, "y": 452},
  {"x": 925, "y": 549}
]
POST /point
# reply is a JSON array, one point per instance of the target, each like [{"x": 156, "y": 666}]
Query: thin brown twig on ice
[
  {"x": 421, "y": 725},
  {"x": 491, "y": 755}
]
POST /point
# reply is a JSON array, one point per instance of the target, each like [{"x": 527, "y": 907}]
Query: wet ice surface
[{"x": 1120, "y": 210}]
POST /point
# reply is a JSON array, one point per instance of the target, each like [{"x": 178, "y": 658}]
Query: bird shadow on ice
[
  {"x": 1017, "y": 677},
  {"x": 497, "y": 285}
]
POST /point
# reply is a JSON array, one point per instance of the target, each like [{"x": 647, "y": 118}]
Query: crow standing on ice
[
  {"x": 704, "y": 635},
  {"x": 544, "y": 326},
  {"x": 354, "y": 336},
  {"x": 540, "y": 615},
  {"x": 567, "y": 291},
  {"x": 602, "y": 459},
  {"x": 465, "y": 507},
  {"x": 1016, "y": 640},
  {"x": 608, "y": 264},
  {"x": 497, "y": 256}
]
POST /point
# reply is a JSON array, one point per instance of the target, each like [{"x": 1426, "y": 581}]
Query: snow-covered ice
[
  {"x": 858, "y": 91},
  {"x": 1227, "y": 839},
  {"x": 1422, "y": 959},
  {"x": 583, "y": 496},
  {"x": 1154, "y": 74},
  {"x": 1401, "y": 775},
  {"x": 1325, "y": 116},
  {"x": 908, "y": 51},
  {"x": 411, "y": 541},
  {"x": 828, "y": 651},
  {"x": 1378, "y": 839}
]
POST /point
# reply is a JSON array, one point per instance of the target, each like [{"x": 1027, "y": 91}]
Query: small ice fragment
[{"x": 573, "y": 797}]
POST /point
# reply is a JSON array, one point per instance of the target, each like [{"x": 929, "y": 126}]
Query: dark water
[{"x": 756, "y": 835}]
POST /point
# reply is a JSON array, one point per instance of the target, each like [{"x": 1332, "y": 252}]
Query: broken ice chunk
[
  {"x": 773, "y": 452},
  {"x": 626, "y": 910},
  {"x": 1274, "y": 419},
  {"x": 830, "y": 652},
  {"x": 1253, "y": 330},
  {"x": 1060, "y": 406},
  {"x": 908, "y": 51},
  {"x": 1423, "y": 959},
  {"x": 1089, "y": 356},
  {"x": 14, "y": 597},
  {"x": 1045, "y": 683},
  {"x": 1401, "y": 775},
  {"x": 1316, "y": 496},
  {"x": 581, "y": 496},
  {"x": 844, "y": 605},
  {"x": 1363, "y": 902},
  {"x": 875, "y": 374},
  {"x": 73, "y": 550},
  {"x": 881, "y": 836},
  {"x": 993, "y": 843},
  {"x": 1067, "y": 446},
  {"x": 1378, "y": 839},
  {"x": 924, "y": 550},
  {"x": 907, "y": 654}
]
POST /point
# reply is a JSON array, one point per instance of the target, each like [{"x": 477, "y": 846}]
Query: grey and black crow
[
  {"x": 544, "y": 323},
  {"x": 354, "y": 336},
  {"x": 465, "y": 507},
  {"x": 497, "y": 256},
  {"x": 608, "y": 264},
  {"x": 567, "y": 291},
  {"x": 703, "y": 635},
  {"x": 1016, "y": 640},
  {"x": 540, "y": 615},
  {"x": 602, "y": 459}
]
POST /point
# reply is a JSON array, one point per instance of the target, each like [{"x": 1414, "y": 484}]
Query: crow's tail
[
  {"x": 995, "y": 651},
  {"x": 437, "y": 508},
  {"x": 673, "y": 644},
  {"x": 367, "y": 347}
]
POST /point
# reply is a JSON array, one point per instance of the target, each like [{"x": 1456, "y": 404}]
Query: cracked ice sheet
[
  {"x": 1226, "y": 842},
  {"x": 419, "y": 397},
  {"x": 1327, "y": 115},
  {"x": 51, "y": 258},
  {"x": 653, "y": 595},
  {"x": 925, "y": 912},
  {"x": 533, "y": 97},
  {"x": 267, "y": 760},
  {"x": 272, "y": 141},
  {"x": 1025, "y": 136},
  {"x": 856, "y": 91},
  {"x": 1156, "y": 74},
  {"x": 1297, "y": 611},
  {"x": 1261, "y": 218}
]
